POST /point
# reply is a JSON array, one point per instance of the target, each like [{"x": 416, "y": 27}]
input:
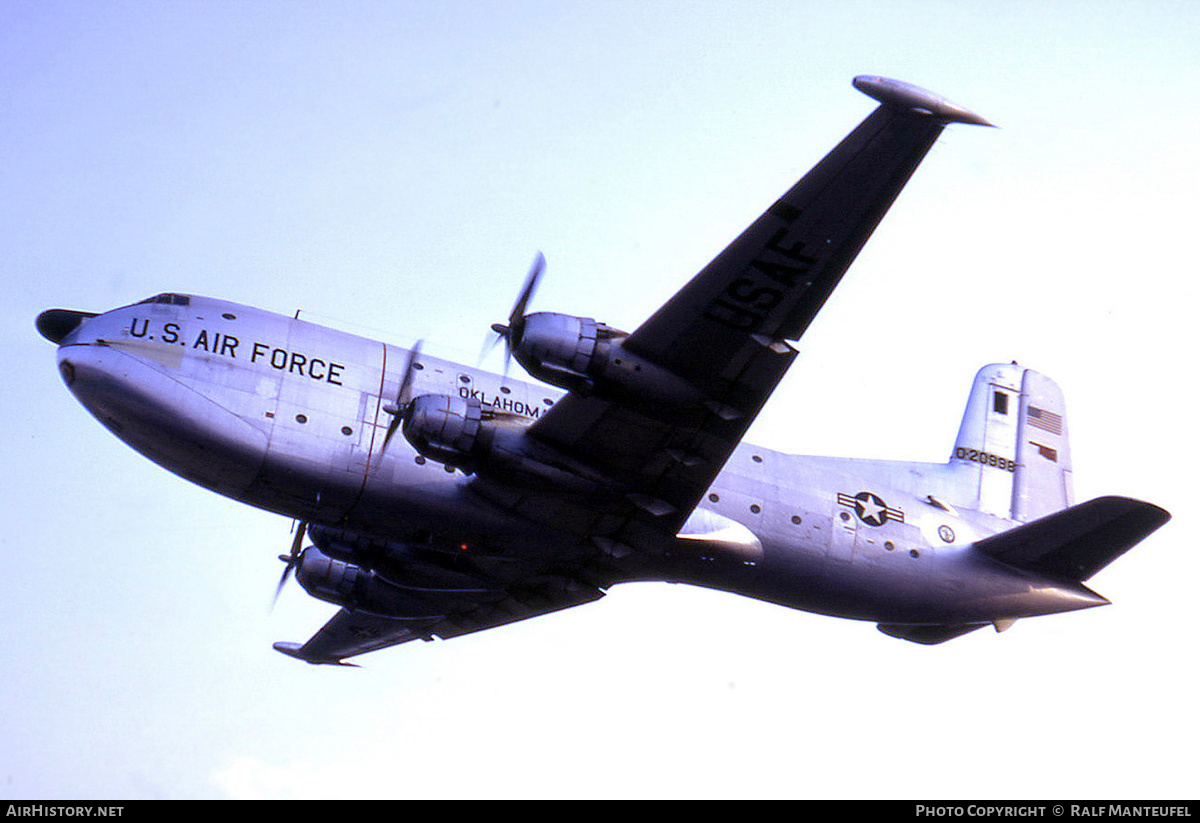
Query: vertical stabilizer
[
  {"x": 1012, "y": 450},
  {"x": 1043, "y": 477},
  {"x": 986, "y": 449}
]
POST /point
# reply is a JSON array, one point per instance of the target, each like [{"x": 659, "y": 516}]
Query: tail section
[
  {"x": 1012, "y": 449},
  {"x": 1012, "y": 459},
  {"x": 1068, "y": 545}
]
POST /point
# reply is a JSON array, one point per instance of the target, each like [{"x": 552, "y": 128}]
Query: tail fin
[{"x": 1012, "y": 448}]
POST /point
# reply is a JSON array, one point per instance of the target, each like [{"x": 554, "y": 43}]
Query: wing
[
  {"x": 726, "y": 331},
  {"x": 725, "y": 335},
  {"x": 351, "y": 632}
]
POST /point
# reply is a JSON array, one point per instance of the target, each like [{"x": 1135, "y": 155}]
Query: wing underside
[
  {"x": 351, "y": 632},
  {"x": 726, "y": 336},
  {"x": 726, "y": 332}
]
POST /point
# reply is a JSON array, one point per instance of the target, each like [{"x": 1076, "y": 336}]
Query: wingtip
[
  {"x": 906, "y": 97},
  {"x": 295, "y": 650}
]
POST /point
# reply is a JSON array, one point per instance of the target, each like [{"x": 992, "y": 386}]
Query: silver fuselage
[{"x": 288, "y": 416}]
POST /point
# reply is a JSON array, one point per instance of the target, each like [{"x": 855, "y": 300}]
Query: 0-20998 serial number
[{"x": 986, "y": 458}]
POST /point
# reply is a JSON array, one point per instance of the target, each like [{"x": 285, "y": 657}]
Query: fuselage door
[{"x": 325, "y": 420}]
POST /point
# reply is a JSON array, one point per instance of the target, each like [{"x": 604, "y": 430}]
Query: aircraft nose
[{"x": 56, "y": 324}]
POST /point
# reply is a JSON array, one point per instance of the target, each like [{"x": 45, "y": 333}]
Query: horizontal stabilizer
[{"x": 1076, "y": 543}]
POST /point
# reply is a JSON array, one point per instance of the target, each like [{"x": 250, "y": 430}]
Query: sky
[{"x": 392, "y": 168}]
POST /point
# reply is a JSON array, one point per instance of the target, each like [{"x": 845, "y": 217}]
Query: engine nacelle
[
  {"x": 563, "y": 345},
  {"x": 333, "y": 581},
  {"x": 460, "y": 432},
  {"x": 354, "y": 587},
  {"x": 586, "y": 357},
  {"x": 445, "y": 428}
]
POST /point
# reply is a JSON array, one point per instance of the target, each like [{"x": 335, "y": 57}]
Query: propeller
[
  {"x": 402, "y": 408},
  {"x": 292, "y": 559},
  {"x": 511, "y": 333}
]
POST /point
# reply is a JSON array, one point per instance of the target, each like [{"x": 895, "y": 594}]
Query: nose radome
[{"x": 56, "y": 324}]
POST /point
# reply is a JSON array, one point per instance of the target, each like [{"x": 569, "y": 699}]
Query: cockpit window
[{"x": 172, "y": 299}]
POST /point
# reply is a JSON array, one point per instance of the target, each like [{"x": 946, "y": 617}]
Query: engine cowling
[
  {"x": 563, "y": 343},
  {"x": 587, "y": 357},
  {"x": 355, "y": 587},
  {"x": 460, "y": 432},
  {"x": 445, "y": 428}
]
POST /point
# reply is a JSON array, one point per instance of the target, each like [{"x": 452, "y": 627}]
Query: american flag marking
[{"x": 1045, "y": 420}]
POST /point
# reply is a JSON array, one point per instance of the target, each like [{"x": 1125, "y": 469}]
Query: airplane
[{"x": 442, "y": 499}]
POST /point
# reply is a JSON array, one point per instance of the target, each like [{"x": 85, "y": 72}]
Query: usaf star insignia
[{"x": 870, "y": 508}]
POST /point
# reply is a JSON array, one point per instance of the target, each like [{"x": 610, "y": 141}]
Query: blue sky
[{"x": 392, "y": 168}]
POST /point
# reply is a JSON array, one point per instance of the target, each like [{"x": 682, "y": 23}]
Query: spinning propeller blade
[
  {"x": 511, "y": 333},
  {"x": 400, "y": 409},
  {"x": 291, "y": 559}
]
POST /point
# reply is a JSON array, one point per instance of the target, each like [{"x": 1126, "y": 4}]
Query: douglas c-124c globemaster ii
[{"x": 501, "y": 500}]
